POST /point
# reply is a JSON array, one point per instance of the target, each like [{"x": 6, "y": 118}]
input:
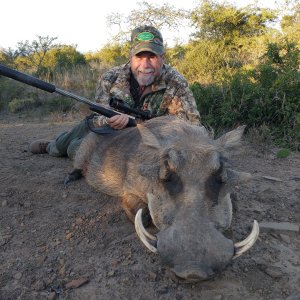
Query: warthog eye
[
  {"x": 213, "y": 185},
  {"x": 173, "y": 183}
]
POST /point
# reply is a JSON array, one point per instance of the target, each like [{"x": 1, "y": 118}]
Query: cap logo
[{"x": 145, "y": 36}]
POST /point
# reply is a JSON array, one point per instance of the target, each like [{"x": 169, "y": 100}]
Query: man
[{"x": 145, "y": 83}]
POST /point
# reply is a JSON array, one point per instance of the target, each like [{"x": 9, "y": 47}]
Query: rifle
[{"x": 114, "y": 102}]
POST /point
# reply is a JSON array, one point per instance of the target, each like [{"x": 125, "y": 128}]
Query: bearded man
[{"x": 144, "y": 83}]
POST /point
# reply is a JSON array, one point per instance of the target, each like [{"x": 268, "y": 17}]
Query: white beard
[
  {"x": 145, "y": 80},
  {"x": 145, "y": 77}
]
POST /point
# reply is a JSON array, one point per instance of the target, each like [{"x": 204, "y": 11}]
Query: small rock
[
  {"x": 163, "y": 290},
  {"x": 272, "y": 178},
  {"x": 78, "y": 221},
  {"x": 4, "y": 203},
  {"x": 18, "y": 276},
  {"x": 218, "y": 297},
  {"x": 273, "y": 272},
  {"x": 41, "y": 259},
  {"x": 114, "y": 262},
  {"x": 69, "y": 236},
  {"x": 285, "y": 238},
  {"x": 294, "y": 296},
  {"x": 52, "y": 296},
  {"x": 152, "y": 276},
  {"x": 39, "y": 285},
  {"x": 111, "y": 273},
  {"x": 27, "y": 204},
  {"x": 76, "y": 283},
  {"x": 62, "y": 271}
]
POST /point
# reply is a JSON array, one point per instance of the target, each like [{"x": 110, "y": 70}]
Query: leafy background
[{"x": 242, "y": 65}]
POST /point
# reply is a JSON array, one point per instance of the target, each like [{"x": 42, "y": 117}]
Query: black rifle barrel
[{"x": 48, "y": 87}]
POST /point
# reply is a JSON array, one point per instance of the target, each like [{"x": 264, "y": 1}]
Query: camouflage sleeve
[
  {"x": 179, "y": 99},
  {"x": 188, "y": 109},
  {"x": 102, "y": 94},
  {"x": 103, "y": 87}
]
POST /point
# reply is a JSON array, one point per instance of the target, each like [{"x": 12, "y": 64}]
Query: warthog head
[
  {"x": 178, "y": 175},
  {"x": 189, "y": 199}
]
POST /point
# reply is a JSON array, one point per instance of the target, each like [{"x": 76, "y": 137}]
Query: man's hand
[{"x": 118, "y": 121}]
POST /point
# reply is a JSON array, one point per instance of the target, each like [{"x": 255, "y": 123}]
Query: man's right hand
[{"x": 118, "y": 121}]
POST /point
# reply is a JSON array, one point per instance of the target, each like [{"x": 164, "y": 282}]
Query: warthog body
[{"x": 177, "y": 172}]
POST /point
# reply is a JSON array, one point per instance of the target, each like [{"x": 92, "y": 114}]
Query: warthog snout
[
  {"x": 194, "y": 255},
  {"x": 192, "y": 272}
]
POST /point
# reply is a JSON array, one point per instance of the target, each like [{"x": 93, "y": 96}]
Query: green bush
[
  {"x": 243, "y": 102},
  {"x": 61, "y": 104},
  {"x": 18, "y": 105},
  {"x": 283, "y": 153}
]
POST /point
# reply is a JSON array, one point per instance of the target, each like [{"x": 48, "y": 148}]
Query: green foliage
[
  {"x": 112, "y": 54},
  {"x": 241, "y": 70},
  {"x": 31, "y": 55},
  {"x": 222, "y": 21},
  {"x": 290, "y": 22},
  {"x": 62, "y": 58},
  {"x": 268, "y": 95},
  {"x": 61, "y": 104},
  {"x": 283, "y": 153},
  {"x": 203, "y": 61},
  {"x": 18, "y": 105}
]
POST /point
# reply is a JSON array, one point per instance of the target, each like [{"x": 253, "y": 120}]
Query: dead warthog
[{"x": 174, "y": 173}]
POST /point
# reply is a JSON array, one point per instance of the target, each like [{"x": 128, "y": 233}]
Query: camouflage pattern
[
  {"x": 147, "y": 38},
  {"x": 170, "y": 94}
]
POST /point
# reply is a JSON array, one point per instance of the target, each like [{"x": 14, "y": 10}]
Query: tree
[
  {"x": 113, "y": 54},
  {"x": 32, "y": 54},
  {"x": 159, "y": 16},
  {"x": 290, "y": 23},
  {"x": 63, "y": 57},
  {"x": 7, "y": 56},
  {"x": 221, "y": 21}
]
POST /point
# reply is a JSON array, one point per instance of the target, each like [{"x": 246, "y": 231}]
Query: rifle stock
[{"x": 48, "y": 87}]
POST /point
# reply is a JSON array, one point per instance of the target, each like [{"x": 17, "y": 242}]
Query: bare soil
[{"x": 75, "y": 243}]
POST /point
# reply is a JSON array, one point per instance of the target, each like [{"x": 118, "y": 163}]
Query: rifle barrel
[
  {"x": 48, "y": 87},
  {"x": 27, "y": 79}
]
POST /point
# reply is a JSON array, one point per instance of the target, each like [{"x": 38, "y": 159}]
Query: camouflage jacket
[{"x": 170, "y": 94}]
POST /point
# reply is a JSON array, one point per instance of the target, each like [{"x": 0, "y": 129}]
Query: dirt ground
[{"x": 75, "y": 243}]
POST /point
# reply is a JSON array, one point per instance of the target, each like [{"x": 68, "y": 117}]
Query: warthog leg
[{"x": 76, "y": 174}]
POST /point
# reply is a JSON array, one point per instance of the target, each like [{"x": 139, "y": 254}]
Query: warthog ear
[
  {"x": 148, "y": 138},
  {"x": 169, "y": 163},
  {"x": 237, "y": 177},
  {"x": 231, "y": 138}
]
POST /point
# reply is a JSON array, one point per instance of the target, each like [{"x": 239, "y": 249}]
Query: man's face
[{"x": 146, "y": 67}]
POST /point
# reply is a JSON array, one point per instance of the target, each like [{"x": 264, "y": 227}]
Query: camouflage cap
[{"x": 146, "y": 38}]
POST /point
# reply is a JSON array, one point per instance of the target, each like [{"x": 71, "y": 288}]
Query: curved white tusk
[
  {"x": 142, "y": 233},
  {"x": 247, "y": 243}
]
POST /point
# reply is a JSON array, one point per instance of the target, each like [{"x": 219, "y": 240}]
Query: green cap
[{"x": 147, "y": 38}]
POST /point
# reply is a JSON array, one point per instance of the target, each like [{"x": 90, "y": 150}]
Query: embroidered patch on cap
[{"x": 145, "y": 36}]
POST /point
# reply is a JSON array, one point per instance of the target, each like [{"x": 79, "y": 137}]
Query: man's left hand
[{"x": 118, "y": 121}]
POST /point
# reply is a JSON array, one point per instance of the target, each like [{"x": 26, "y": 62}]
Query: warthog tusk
[
  {"x": 248, "y": 242},
  {"x": 146, "y": 237}
]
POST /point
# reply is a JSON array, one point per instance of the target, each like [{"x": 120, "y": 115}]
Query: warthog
[{"x": 176, "y": 174}]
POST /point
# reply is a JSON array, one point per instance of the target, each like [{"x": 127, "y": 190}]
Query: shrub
[
  {"x": 18, "y": 105},
  {"x": 61, "y": 104},
  {"x": 283, "y": 153}
]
